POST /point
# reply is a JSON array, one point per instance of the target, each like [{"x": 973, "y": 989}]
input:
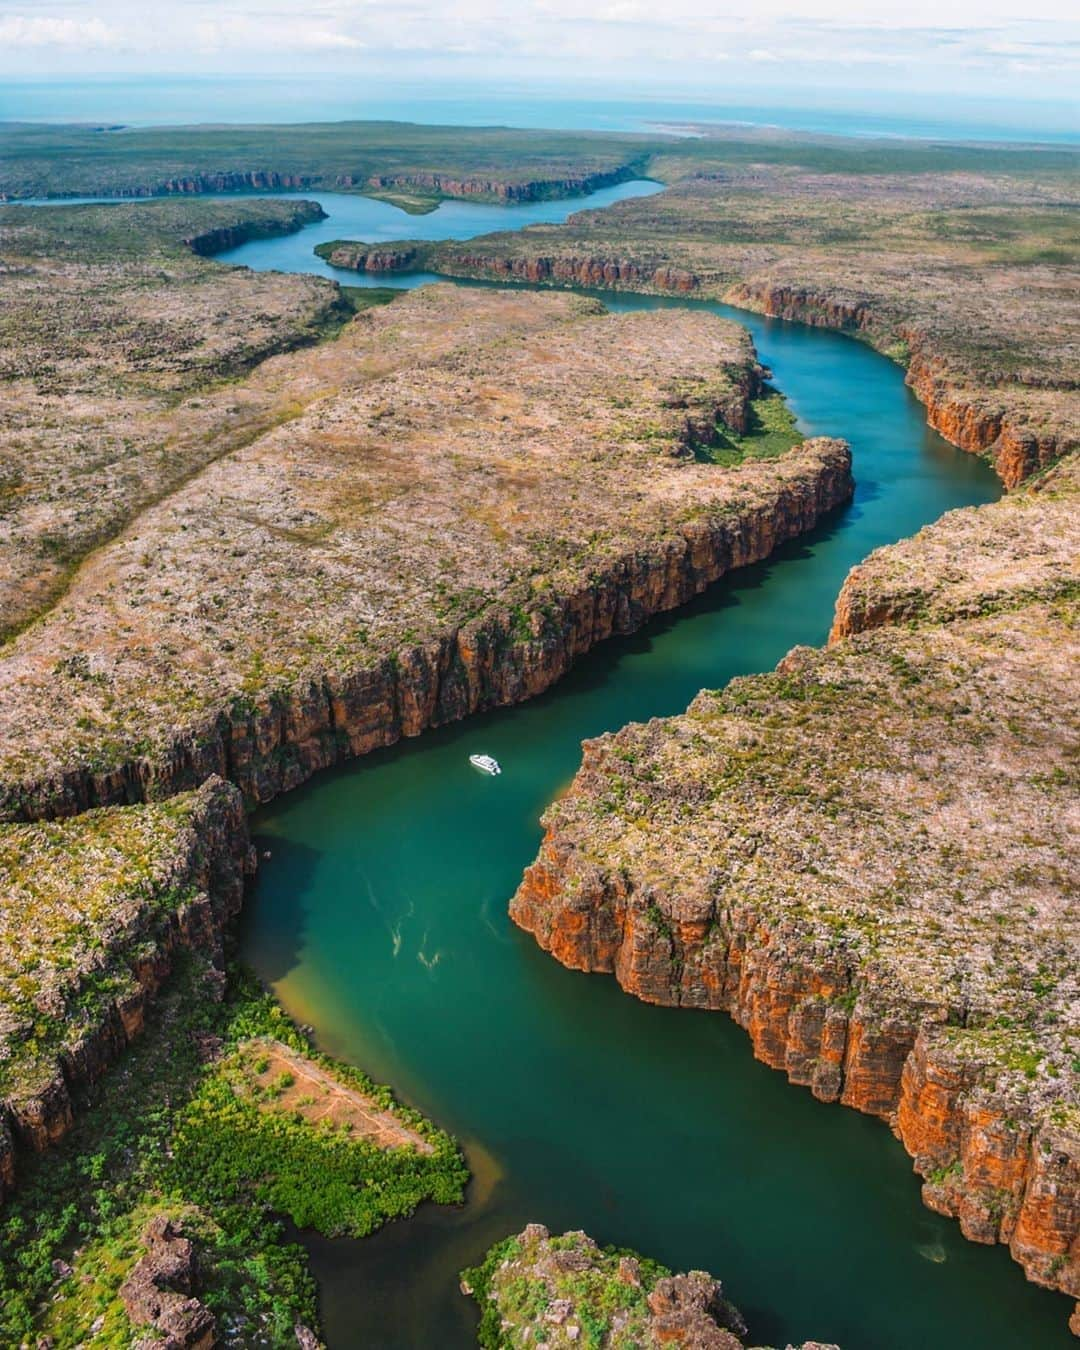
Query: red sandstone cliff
[
  {"x": 813, "y": 1014},
  {"x": 975, "y": 423},
  {"x": 276, "y": 740}
]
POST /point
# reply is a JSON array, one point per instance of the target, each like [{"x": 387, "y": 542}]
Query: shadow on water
[{"x": 381, "y": 920}]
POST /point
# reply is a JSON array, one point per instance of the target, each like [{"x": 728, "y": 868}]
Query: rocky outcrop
[
  {"x": 622, "y": 1301},
  {"x": 973, "y": 422},
  {"x": 130, "y": 915},
  {"x": 363, "y": 258},
  {"x": 222, "y": 237},
  {"x": 830, "y": 854},
  {"x": 492, "y": 188},
  {"x": 274, "y": 741},
  {"x": 159, "y": 1294}
]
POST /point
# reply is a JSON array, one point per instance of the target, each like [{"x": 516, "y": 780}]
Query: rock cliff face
[
  {"x": 449, "y": 538},
  {"x": 493, "y": 188},
  {"x": 360, "y": 258},
  {"x": 216, "y": 240},
  {"x": 830, "y": 855},
  {"x": 488, "y": 187},
  {"x": 101, "y": 935},
  {"x": 257, "y": 180},
  {"x": 536, "y": 1289},
  {"x": 975, "y": 423},
  {"x": 551, "y": 270},
  {"x": 282, "y": 739}
]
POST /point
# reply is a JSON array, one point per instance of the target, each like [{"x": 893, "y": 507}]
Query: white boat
[{"x": 485, "y": 763}]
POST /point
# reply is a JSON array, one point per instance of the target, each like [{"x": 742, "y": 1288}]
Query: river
[{"x": 380, "y": 919}]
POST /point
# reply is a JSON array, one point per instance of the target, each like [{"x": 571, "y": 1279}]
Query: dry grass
[{"x": 513, "y": 446}]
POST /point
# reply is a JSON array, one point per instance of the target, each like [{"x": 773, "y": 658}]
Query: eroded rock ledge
[
  {"x": 967, "y": 279},
  {"x": 535, "y": 1289},
  {"x": 868, "y": 858},
  {"x": 94, "y": 913},
  {"x": 447, "y": 538}
]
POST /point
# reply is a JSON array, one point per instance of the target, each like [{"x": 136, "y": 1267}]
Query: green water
[{"x": 380, "y": 919}]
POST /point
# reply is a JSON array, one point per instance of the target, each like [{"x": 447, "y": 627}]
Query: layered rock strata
[
  {"x": 95, "y": 911},
  {"x": 868, "y": 859},
  {"x": 447, "y": 538},
  {"x": 535, "y": 1289},
  {"x": 969, "y": 280}
]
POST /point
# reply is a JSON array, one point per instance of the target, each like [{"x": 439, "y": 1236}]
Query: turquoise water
[
  {"x": 170, "y": 99},
  {"x": 380, "y": 919},
  {"x": 351, "y": 216}
]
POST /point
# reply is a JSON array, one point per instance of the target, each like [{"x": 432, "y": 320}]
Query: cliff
[
  {"x": 218, "y": 238},
  {"x": 978, "y": 420},
  {"x": 867, "y": 859},
  {"x": 95, "y": 910},
  {"x": 535, "y": 477},
  {"x": 968, "y": 279},
  {"x": 539, "y": 1289}
]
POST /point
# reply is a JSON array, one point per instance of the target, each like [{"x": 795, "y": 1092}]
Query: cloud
[
  {"x": 916, "y": 45},
  {"x": 18, "y": 30},
  {"x": 271, "y": 32}
]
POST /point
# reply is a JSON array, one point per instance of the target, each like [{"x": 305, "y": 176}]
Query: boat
[{"x": 485, "y": 763}]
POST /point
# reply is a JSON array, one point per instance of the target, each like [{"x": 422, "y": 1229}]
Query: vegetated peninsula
[
  {"x": 142, "y": 1200},
  {"x": 535, "y": 1289},
  {"x": 960, "y": 263},
  {"x": 529, "y": 477},
  {"x": 868, "y": 858},
  {"x": 410, "y": 165}
]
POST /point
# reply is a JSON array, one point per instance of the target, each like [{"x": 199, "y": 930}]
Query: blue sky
[{"x": 973, "y": 47}]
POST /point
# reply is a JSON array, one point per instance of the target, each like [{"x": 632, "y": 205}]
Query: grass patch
[
  {"x": 771, "y": 432},
  {"x": 166, "y": 1131}
]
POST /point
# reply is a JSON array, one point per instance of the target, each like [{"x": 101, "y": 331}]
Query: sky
[{"x": 975, "y": 47}]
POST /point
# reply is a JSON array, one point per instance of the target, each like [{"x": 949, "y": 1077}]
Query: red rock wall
[
  {"x": 978, "y": 426},
  {"x": 277, "y": 741},
  {"x": 848, "y": 1042}
]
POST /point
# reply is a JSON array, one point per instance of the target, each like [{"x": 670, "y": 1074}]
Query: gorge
[{"x": 436, "y": 859}]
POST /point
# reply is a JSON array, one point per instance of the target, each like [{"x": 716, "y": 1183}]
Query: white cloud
[
  {"x": 19, "y": 30},
  {"x": 915, "y": 44}
]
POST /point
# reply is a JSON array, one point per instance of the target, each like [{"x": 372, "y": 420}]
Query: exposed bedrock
[
  {"x": 543, "y": 1290},
  {"x": 150, "y": 882},
  {"x": 820, "y": 1020},
  {"x": 160, "y": 1292},
  {"x": 977, "y": 424},
  {"x": 867, "y": 858},
  {"x": 973, "y": 420},
  {"x": 531, "y": 190},
  {"x": 275, "y": 741}
]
